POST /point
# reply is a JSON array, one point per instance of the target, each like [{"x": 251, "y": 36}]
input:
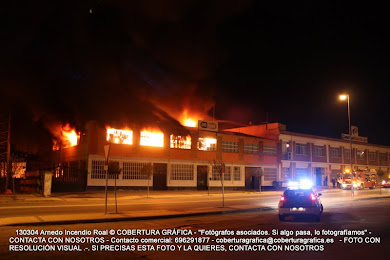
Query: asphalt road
[
  {"x": 368, "y": 215},
  {"x": 81, "y": 205}
]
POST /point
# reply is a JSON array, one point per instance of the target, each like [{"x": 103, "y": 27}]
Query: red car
[{"x": 386, "y": 183}]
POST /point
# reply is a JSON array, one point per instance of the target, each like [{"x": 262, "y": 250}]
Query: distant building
[{"x": 317, "y": 157}]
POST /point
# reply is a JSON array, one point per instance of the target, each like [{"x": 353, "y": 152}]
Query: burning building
[{"x": 181, "y": 158}]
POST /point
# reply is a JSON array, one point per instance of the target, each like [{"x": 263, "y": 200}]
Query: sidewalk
[{"x": 98, "y": 197}]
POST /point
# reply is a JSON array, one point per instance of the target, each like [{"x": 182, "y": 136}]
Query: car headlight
[
  {"x": 344, "y": 185},
  {"x": 354, "y": 185},
  {"x": 383, "y": 182}
]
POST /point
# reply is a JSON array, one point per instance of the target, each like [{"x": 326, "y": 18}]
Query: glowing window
[
  {"x": 119, "y": 136},
  {"x": 182, "y": 142},
  {"x": 207, "y": 144},
  {"x": 149, "y": 138}
]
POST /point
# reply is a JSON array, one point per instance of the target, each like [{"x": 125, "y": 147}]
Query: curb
[{"x": 104, "y": 220}]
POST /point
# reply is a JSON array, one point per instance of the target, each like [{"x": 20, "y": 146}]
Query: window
[
  {"x": 301, "y": 149},
  {"x": 319, "y": 151},
  {"x": 372, "y": 156},
  {"x": 182, "y": 172},
  {"x": 251, "y": 148},
  {"x": 360, "y": 154},
  {"x": 228, "y": 146},
  {"x": 182, "y": 142},
  {"x": 207, "y": 144},
  {"x": 334, "y": 152},
  {"x": 119, "y": 136},
  {"x": 133, "y": 171},
  {"x": 227, "y": 174},
  {"x": 383, "y": 157},
  {"x": 270, "y": 174},
  {"x": 97, "y": 171},
  {"x": 216, "y": 172},
  {"x": 155, "y": 139},
  {"x": 269, "y": 149},
  {"x": 236, "y": 173},
  {"x": 347, "y": 153}
]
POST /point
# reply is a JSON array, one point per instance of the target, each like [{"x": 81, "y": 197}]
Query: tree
[
  {"x": 114, "y": 171},
  {"x": 380, "y": 174},
  {"x": 218, "y": 167},
  {"x": 148, "y": 171}
]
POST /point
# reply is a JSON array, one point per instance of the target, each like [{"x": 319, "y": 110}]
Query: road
[
  {"x": 340, "y": 214},
  {"x": 79, "y": 205}
]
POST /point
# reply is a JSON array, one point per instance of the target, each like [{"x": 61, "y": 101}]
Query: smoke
[{"x": 137, "y": 62}]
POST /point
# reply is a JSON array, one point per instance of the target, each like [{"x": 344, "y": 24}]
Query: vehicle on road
[
  {"x": 359, "y": 180},
  {"x": 300, "y": 199},
  {"x": 386, "y": 183}
]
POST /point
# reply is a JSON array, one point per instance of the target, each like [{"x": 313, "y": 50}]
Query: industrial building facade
[
  {"x": 316, "y": 157},
  {"x": 179, "y": 162},
  {"x": 252, "y": 156}
]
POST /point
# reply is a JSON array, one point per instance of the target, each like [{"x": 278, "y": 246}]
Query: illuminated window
[
  {"x": 119, "y": 136},
  {"x": 182, "y": 142},
  {"x": 360, "y": 154},
  {"x": 149, "y": 138},
  {"x": 207, "y": 144},
  {"x": 182, "y": 172}
]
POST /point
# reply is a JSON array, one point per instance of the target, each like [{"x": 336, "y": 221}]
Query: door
[
  {"x": 252, "y": 178},
  {"x": 318, "y": 176},
  {"x": 159, "y": 176},
  {"x": 201, "y": 174}
]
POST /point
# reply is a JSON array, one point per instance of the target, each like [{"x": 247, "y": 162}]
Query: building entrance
[
  {"x": 159, "y": 176},
  {"x": 252, "y": 178},
  {"x": 201, "y": 174}
]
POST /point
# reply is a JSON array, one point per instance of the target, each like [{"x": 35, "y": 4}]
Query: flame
[
  {"x": 182, "y": 142},
  {"x": 207, "y": 144},
  {"x": 68, "y": 137},
  {"x": 152, "y": 138},
  {"x": 119, "y": 136},
  {"x": 190, "y": 120}
]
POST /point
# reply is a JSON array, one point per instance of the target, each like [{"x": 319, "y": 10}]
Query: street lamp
[{"x": 346, "y": 97}]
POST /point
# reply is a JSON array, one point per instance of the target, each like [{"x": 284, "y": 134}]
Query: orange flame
[
  {"x": 152, "y": 138},
  {"x": 119, "y": 136},
  {"x": 190, "y": 120},
  {"x": 68, "y": 137}
]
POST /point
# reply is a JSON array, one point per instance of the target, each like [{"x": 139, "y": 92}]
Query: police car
[{"x": 300, "y": 199}]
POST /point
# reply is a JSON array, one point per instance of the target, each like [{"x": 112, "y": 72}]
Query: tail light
[
  {"x": 313, "y": 197},
  {"x": 282, "y": 198}
]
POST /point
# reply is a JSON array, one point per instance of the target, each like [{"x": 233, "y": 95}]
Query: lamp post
[{"x": 346, "y": 97}]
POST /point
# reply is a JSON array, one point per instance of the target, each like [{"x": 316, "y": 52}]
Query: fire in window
[
  {"x": 119, "y": 136},
  {"x": 152, "y": 138},
  {"x": 182, "y": 142},
  {"x": 207, "y": 144}
]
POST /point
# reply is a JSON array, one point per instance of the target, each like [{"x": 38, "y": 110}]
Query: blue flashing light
[{"x": 302, "y": 184}]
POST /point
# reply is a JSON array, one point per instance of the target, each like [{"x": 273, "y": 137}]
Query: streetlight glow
[{"x": 343, "y": 97}]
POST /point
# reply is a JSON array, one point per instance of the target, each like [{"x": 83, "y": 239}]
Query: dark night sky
[{"x": 80, "y": 60}]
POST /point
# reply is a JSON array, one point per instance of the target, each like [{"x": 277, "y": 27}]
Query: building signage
[
  {"x": 355, "y": 135},
  {"x": 208, "y": 125}
]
